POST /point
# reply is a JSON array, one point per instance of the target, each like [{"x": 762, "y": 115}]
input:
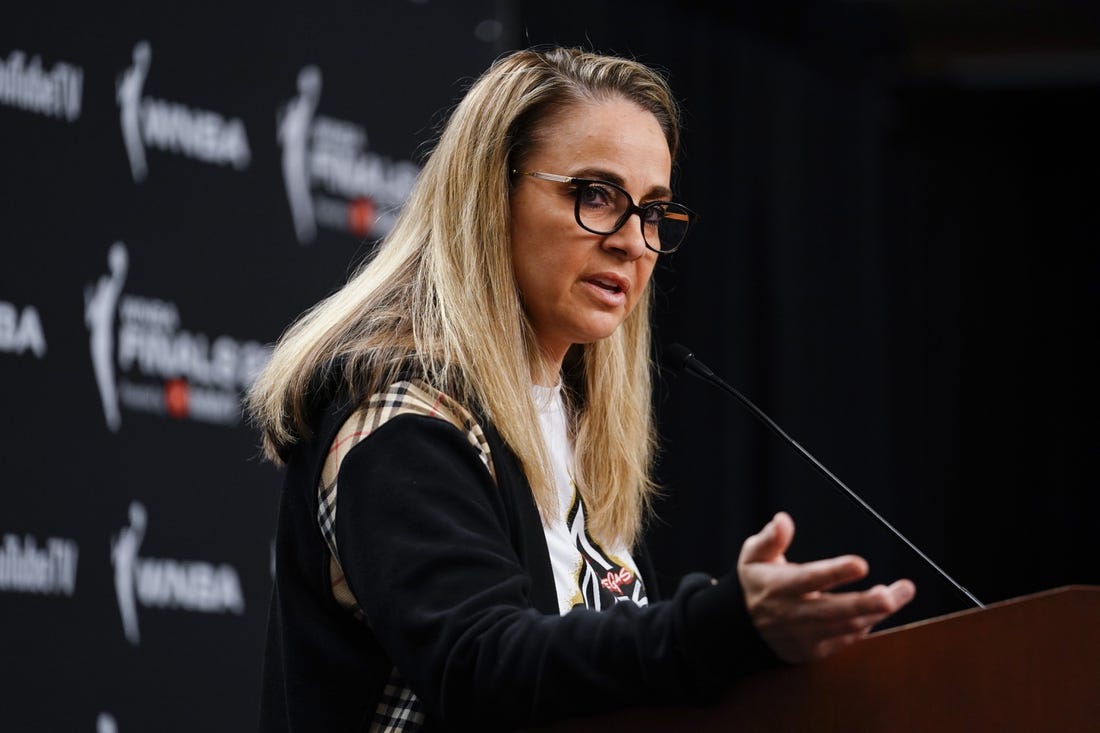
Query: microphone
[{"x": 679, "y": 358}]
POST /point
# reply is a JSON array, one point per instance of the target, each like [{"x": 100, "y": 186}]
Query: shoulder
[
  {"x": 397, "y": 413},
  {"x": 404, "y": 398}
]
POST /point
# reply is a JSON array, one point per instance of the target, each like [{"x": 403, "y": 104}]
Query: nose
[{"x": 628, "y": 241}]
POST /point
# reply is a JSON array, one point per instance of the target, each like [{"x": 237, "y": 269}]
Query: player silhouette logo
[
  {"x": 293, "y": 133},
  {"x": 124, "y": 550},
  {"x": 100, "y": 301},
  {"x": 128, "y": 94}
]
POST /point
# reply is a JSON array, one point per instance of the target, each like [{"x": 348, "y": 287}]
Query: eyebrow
[{"x": 656, "y": 193}]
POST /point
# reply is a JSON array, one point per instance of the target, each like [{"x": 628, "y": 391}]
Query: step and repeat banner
[{"x": 177, "y": 185}]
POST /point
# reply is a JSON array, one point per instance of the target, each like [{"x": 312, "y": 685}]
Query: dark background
[{"x": 896, "y": 261}]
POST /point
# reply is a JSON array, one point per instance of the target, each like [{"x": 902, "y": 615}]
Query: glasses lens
[
  {"x": 671, "y": 225},
  {"x": 603, "y": 207},
  {"x": 600, "y": 207}
]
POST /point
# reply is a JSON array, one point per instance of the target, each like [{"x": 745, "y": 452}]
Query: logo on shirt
[
  {"x": 603, "y": 579},
  {"x": 332, "y": 177}
]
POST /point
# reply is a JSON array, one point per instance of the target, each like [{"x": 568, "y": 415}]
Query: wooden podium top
[{"x": 1028, "y": 664}]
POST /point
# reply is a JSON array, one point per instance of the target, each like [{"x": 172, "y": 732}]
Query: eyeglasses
[{"x": 602, "y": 207}]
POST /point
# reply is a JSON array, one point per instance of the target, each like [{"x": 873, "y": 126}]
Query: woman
[{"x": 467, "y": 432}]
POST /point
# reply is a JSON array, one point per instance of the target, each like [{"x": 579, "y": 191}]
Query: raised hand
[{"x": 792, "y": 604}]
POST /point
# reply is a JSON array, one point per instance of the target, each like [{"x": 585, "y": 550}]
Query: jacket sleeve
[{"x": 424, "y": 542}]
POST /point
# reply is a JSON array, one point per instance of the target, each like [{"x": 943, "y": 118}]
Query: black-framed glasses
[{"x": 602, "y": 207}]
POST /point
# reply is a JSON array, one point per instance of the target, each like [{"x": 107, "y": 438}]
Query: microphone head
[{"x": 676, "y": 357}]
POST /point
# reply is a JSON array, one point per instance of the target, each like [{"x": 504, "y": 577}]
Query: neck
[
  {"x": 546, "y": 370},
  {"x": 546, "y": 375}
]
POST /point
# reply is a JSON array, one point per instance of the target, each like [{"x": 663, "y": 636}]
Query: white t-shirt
[{"x": 585, "y": 573}]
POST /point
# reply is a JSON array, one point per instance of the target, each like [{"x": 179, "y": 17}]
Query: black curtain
[{"x": 894, "y": 262}]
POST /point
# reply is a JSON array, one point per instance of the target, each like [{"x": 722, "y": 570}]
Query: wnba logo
[
  {"x": 199, "y": 134},
  {"x": 150, "y": 364},
  {"x": 21, "y": 330},
  {"x": 166, "y": 583},
  {"x": 331, "y": 177},
  {"x": 99, "y": 316}
]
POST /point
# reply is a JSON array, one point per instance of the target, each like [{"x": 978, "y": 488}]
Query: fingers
[
  {"x": 901, "y": 592},
  {"x": 778, "y": 577},
  {"x": 830, "y": 623},
  {"x": 835, "y": 644},
  {"x": 835, "y": 613},
  {"x": 886, "y": 600},
  {"x": 820, "y": 575},
  {"x": 769, "y": 544},
  {"x": 807, "y": 628},
  {"x": 855, "y": 609},
  {"x": 879, "y": 601},
  {"x": 794, "y": 605}
]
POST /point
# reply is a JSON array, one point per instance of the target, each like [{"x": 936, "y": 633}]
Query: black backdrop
[{"x": 896, "y": 261}]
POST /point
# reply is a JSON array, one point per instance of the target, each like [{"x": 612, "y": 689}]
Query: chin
[{"x": 599, "y": 332}]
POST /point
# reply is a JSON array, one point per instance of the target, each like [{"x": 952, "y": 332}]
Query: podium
[{"x": 1029, "y": 664}]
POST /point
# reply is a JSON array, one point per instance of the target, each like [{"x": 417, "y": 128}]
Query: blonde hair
[{"x": 440, "y": 293}]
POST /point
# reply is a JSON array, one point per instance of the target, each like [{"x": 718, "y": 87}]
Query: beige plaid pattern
[{"x": 399, "y": 709}]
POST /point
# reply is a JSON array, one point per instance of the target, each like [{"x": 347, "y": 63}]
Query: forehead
[{"x": 599, "y": 132}]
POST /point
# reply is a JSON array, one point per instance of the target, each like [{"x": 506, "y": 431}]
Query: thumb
[{"x": 769, "y": 544}]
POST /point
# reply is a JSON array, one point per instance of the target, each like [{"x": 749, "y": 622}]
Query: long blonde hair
[{"x": 440, "y": 291}]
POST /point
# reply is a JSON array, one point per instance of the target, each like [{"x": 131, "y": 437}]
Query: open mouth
[{"x": 608, "y": 286}]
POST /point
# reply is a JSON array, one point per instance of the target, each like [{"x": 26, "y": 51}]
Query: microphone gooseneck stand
[{"x": 680, "y": 358}]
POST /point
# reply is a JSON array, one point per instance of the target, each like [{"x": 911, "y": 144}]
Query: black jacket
[{"x": 447, "y": 561}]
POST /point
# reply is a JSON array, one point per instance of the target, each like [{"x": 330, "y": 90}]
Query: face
[{"x": 577, "y": 287}]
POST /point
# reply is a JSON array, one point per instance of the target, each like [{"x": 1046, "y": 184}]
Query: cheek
[
  {"x": 523, "y": 248},
  {"x": 532, "y": 236},
  {"x": 526, "y": 274},
  {"x": 545, "y": 250},
  {"x": 532, "y": 270}
]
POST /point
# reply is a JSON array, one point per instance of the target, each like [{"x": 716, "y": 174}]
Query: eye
[
  {"x": 596, "y": 196},
  {"x": 654, "y": 213}
]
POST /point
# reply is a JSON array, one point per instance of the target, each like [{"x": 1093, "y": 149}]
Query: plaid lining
[{"x": 399, "y": 709}]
